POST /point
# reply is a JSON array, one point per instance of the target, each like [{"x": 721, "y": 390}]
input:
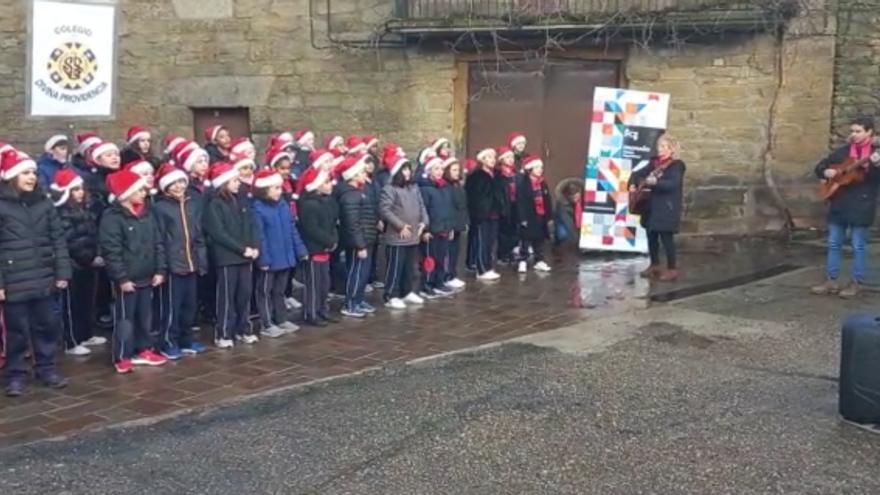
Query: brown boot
[
  {"x": 851, "y": 291},
  {"x": 652, "y": 272},
  {"x": 669, "y": 276},
  {"x": 829, "y": 287}
]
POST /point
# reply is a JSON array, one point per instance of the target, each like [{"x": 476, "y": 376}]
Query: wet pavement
[{"x": 581, "y": 288}]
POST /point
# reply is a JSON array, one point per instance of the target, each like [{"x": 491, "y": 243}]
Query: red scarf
[
  {"x": 508, "y": 170},
  {"x": 137, "y": 209},
  {"x": 857, "y": 151},
  {"x": 661, "y": 161},
  {"x": 440, "y": 183},
  {"x": 538, "y": 194}
]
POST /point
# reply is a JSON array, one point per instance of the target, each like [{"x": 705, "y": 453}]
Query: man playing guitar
[{"x": 852, "y": 207}]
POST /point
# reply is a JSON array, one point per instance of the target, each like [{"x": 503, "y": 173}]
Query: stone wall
[{"x": 857, "y": 67}]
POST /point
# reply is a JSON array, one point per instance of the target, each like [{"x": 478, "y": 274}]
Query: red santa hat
[
  {"x": 532, "y": 162},
  {"x": 370, "y": 141},
  {"x": 13, "y": 163},
  {"x": 333, "y": 142},
  {"x": 449, "y": 161},
  {"x": 169, "y": 174},
  {"x": 189, "y": 156},
  {"x": 135, "y": 134},
  {"x": 54, "y": 141},
  {"x": 501, "y": 152},
  {"x": 427, "y": 154},
  {"x": 241, "y": 160},
  {"x": 123, "y": 184},
  {"x": 311, "y": 180},
  {"x": 469, "y": 165},
  {"x": 180, "y": 148},
  {"x": 140, "y": 167},
  {"x": 86, "y": 140},
  {"x": 485, "y": 153},
  {"x": 96, "y": 150},
  {"x": 267, "y": 178},
  {"x": 241, "y": 145},
  {"x": 212, "y": 132},
  {"x": 221, "y": 173},
  {"x": 351, "y": 166},
  {"x": 355, "y": 145},
  {"x": 338, "y": 157},
  {"x": 437, "y": 143},
  {"x": 432, "y": 163},
  {"x": 319, "y": 158},
  {"x": 275, "y": 155},
  {"x": 64, "y": 181},
  {"x": 4, "y": 147},
  {"x": 515, "y": 138},
  {"x": 302, "y": 138},
  {"x": 393, "y": 162},
  {"x": 171, "y": 141}
]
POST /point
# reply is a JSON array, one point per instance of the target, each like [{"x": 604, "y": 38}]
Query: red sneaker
[
  {"x": 123, "y": 366},
  {"x": 148, "y": 358}
]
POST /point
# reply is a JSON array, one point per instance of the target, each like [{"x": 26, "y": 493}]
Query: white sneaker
[
  {"x": 296, "y": 284},
  {"x": 456, "y": 283},
  {"x": 413, "y": 298},
  {"x": 515, "y": 251},
  {"x": 292, "y": 303},
  {"x": 80, "y": 350},
  {"x": 489, "y": 276},
  {"x": 224, "y": 343},
  {"x": 289, "y": 327},
  {"x": 251, "y": 339},
  {"x": 395, "y": 303},
  {"x": 272, "y": 332},
  {"x": 368, "y": 289},
  {"x": 542, "y": 267},
  {"x": 523, "y": 267},
  {"x": 96, "y": 340}
]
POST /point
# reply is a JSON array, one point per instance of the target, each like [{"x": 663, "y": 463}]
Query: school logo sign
[{"x": 72, "y": 54}]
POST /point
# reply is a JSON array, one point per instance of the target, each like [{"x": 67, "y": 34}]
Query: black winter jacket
[
  {"x": 181, "y": 230},
  {"x": 664, "y": 204},
  {"x": 438, "y": 204},
  {"x": 215, "y": 154},
  {"x": 535, "y": 228},
  {"x": 81, "y": 232},
  {"x": 484, "y": 198},
  {"x": 95, "y": 183},
  {"x": 132, "y": 246},
  {"x": 358, "y": 218},
  {"x": 130, "y": 155},
  {"x": 509, "y": 210},
  {"x": 33, "y": 252},
  {"x": 856, "y": 204},
  {"x": 229, "y": 226},
  {"x": 459, "y": 207},
  {"x": 318, "y": 219}
]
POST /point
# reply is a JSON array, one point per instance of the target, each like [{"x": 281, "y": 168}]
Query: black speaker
[{"x": 859, "y": 399}]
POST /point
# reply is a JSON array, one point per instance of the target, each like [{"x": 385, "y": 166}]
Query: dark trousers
[
  {"x": 451, "y": 265},
  {"x": 356, "y": 278},
  {"x": 179, "y": 296},
  {"x": 78, "y": 307},
  {"x": 508, "y": 238},
  {"x": 270, "y": 297},
  {"x": 470, "y": 257},
  {"x": 31, "y": 324},
  {"x": 316, "y": 278},
  {"x": 104, "y": 295},
  {"x": 437, "y": 249},
  {"x": 338, "y": 271},
  {"x": 234, "y": 287},
  {"x": 374, "y": 263},
  {"x": 484, "y": 245},
  {"x": 399, "y": 265},
  {"x": 208, "y": 296},
  {"x": 654, "y": 240},
  {"x": 132, "y": 322}
]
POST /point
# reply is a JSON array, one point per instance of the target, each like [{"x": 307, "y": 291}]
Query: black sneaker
[
  {"x": 328, "y": 318},
  {"x": 15, "y": 388},
  {"x": 316, "y": 323},
  {"x": 53, "y": 380}
]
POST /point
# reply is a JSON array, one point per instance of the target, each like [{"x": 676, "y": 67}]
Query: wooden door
[{"x": 236, "y": 119}]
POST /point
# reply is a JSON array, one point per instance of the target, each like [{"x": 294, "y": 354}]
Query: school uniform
[
  {"x": 485, "y": 203},
  {"x": 358, "y": 230},
  {"x": 460, "y": 226},
  {"x": 534, "y": 209},
  {"x": 399, "y": 207},
  {"x": 437, "y": 196},
  {"x": 372, "y": 188},
  {"x": 78, "y": 300},
  {"x": 508, "y": 225},
  {"x": 319, "y": 215}
]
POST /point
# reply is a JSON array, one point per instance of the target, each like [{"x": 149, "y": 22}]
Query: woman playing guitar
[{"x": 660, "y": 211}]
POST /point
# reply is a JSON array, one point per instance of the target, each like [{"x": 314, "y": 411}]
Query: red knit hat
[
  {"x": 501, "y": 152},
  {"x": 267, "y": 178},
  {"x": 351, "y": 166},
  {"x": 355, "y": 145},
  {"x": 140, "y": 167},
  {"x": 211, "y": 133},
  {"x": 189, "y": 156},
  {"x": 96, "y": 150},
  {"x": 12, "y": 163},
  {"x": 123, "y": 184},
  {"x": 275, "y": 155},
  {"x": 532, "y": 162},
  {"x": 311, "y": 180},
  {"x": 334, "y": 141},
  {"x": 320, "y": 157},
  {"x": 169, "y": 174},
  {"x": 86, "y": 140},
  {"x": 515, "y": 137},
  {"x": 63, "y": 182},
  {"x": 221, "y": 173},
  {"x": 54, "y": 141},
  {"x": 242, "y": 145},
  {"x": 370, "y": 141},
  {"x": 136, "y": 133}
]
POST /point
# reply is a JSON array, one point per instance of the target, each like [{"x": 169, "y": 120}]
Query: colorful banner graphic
[
  {"x": 625, "y": 127},
  {"x": 72, "y": 55}
]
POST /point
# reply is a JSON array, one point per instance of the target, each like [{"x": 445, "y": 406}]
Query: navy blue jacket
[
  {"x": 280, "y": 243},
  {"x": 46, "y": 168},
  {"x": 439, "y": 205},
  {"x": 855, "y": 204}
]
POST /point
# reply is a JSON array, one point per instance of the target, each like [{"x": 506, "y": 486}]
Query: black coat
[
  {"x": 215, "y": 154},
  {"x": 535, "y": 228},
  {"x": 855, "y": 204},
  {"x": 131, "y": 246},
  {"x": 130, "y": 155},
  {"x": 509, "y": 210},
  {"x": 663, "y": 207},
  {"x": 438, "y": 204},
  {"x": 229, "y": 226},
  {"x": 95, "y": 183},
  {"x": 181, "y": 229},
  {"x": 33, "y": 252},
  {"x": 358, "y": 218},
  {"x": 459, "y": 207},
  {"x": 318, "y": 219},
  {"x": 484, "y": 198},
  {"x": 81, "y": 232}
]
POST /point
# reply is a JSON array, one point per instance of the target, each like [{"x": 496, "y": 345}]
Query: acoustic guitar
[
  {"x": 639, "y": 197},
  {"x": 849, "y": 172}
]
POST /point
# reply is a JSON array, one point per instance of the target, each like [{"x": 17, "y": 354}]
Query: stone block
[
  {"x": 203, "y": 9},
  {"x": 221, "y": 91}
]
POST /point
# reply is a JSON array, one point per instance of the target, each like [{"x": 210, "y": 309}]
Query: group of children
[{"x": 213, "y": 227}]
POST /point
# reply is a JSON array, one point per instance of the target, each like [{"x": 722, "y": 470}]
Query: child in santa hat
[
  {"x": 81, "y": 232},
  {"x": 218, "y": 143},
  {"x": 36, "y": 266},
  {"x": 437, "y": 196},
  {"x": 319, "y": 214},
  {"x": 371, "y": 188},
  {"x": 145, "y": 170},
  {"x": 184, "y": 243},
  {"x": 535, "y": 211},
  {"x": 508, "y": 226},
  {"x": 102, "y": 159},
  {"x": 53, "y": 159},
  {"x": 194, "y": 162},
  {"x": 84, "y": 141},
  {"x": 335, "y": 143},
  {"x": 403, "y": 211},
  {"x": 281, "y": 161},
  {"x": 233, "y": 242},
  {"x": 358, "y": 233},
  {"x": 303, "y": 144},
  {"x": 280, "y": 249},
  {"x": 453, "y": 177},
  {"x": 138, "y": 146},
  {"x": 516, "y": 143},
  {"x": 246, "y": 167},
  {"x": 132, "y": 246},
  {"x": 485, "y": 203}
]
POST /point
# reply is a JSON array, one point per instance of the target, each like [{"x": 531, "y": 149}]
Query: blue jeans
[{"x": 836, "y": 238}]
